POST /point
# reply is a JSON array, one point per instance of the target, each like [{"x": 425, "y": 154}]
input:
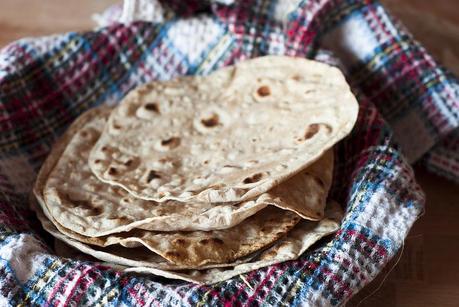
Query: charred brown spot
[
  {"x": 104, "y": 148},
  {"x": 116, "y": 127},
  {"x": 96, "y": 211},
  {"x": 280, "y": 234},
  {"x": 314, "y": 128},
  {"x": 211, "y": 121},
  {"x": 153, "y": 175},
  {"x": 84, "y": 134},
  {"x": 318, "y": 213},
  {"x": 256, "y": 177},
  {"x": 217, "y": 241},
  {"x": 128, "y": 163},
  {"x": 204, "y": 241},
  {"x": 265, "y": 229},
  {"x": 206, "y": 162},
  {"x": 319, "y": 182},
  {"x": 97, "y": 161},
  {"x": 171, "y": 142},
  {"x": 180, "y": 241},
  {"x": 264, "y": 91},
  {"x": 166, "y": 142},
  {"x": 112, "y": 171},
  {"x": 153, "y": 107},
  {"x": 311, "y": 131}
]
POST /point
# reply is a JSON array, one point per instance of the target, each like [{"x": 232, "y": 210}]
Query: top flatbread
[
  {"x": 87, "y": 206},
  {"x": 226, "y": 137}
]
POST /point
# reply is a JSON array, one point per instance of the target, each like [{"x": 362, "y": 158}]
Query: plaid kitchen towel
[{"x": 405, "y": 98}]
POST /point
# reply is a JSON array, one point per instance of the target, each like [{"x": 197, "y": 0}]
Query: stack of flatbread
[{"x": 202, "y": 178}]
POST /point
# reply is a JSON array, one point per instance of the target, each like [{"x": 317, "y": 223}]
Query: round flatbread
[
  {"x": 85, "y": 205},
  {"x": 296, "y": 242},
  {"x": 227, "y": 137}
]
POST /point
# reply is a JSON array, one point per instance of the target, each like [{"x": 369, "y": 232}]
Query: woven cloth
[{"x": 405, "y": 98}]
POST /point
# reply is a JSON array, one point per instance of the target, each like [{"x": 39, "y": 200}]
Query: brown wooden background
[{"x": 428, "y": 271}]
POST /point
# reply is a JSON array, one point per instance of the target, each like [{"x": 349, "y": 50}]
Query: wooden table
[{"x": 427, "y": 273}]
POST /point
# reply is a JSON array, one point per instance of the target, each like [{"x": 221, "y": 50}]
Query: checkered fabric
[{"x": 405, "y": 98}]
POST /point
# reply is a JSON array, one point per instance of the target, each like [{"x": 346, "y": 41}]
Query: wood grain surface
[{"x": 427, "y": 273}]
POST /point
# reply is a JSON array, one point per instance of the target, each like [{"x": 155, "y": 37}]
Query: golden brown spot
[
  {"x": 104, "y": 148},
  {"x": 211, "y": 121},
  {"x": 97, "y": 161},
  {"x": 84, "y": 134},
  {"x": 217, "y": 186},
  {"x": 256, "y": 177},
  {"x": 153, "y": 107},
  {"x": 153, "y": 175},
  {"x": 163, "y": 160},
  {"x": 112, "y": 171},
  {"x": 123, "y": 220},
  {"x": 128, "y": 163},
  {"x": 116, "y": 127},
  {"x": 264, "y": 91},
  {"x": 296, "y": 77},
  {"x": 172, "y": 254},
  {"x": 206, "y": 162},
  {"x": 149, "y": 86}
]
